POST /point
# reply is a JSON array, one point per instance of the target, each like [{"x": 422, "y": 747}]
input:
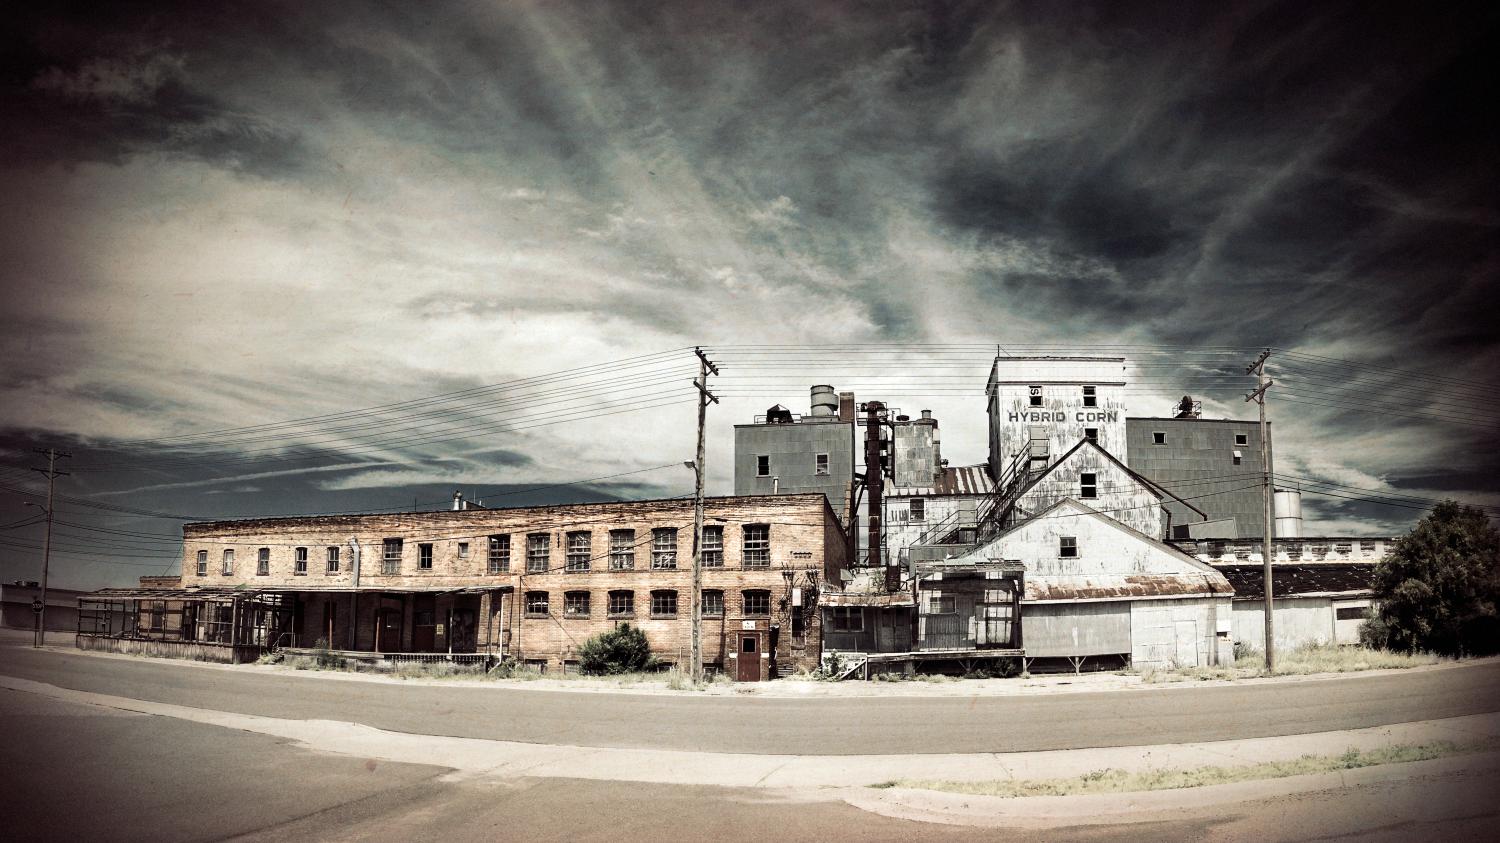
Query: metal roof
[
  {"x": 1124, "y": 587},
  {"x": 1319, "y": 579},
  {"x": 955, "y": 480}
]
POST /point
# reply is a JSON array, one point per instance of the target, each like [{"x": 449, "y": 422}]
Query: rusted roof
[
  {"x": 1322, "y": 578},
  {"x": 865, "y": 598},
  {"x": 955, "y": 480},
  {"x": 1124, "y": 587}
]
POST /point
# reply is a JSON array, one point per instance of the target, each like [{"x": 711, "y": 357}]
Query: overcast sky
[{"x": 222, "y": 215}]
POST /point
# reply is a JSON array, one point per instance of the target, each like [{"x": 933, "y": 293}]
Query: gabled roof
[
  {"x": 1317, "y": 580},
  {"x": 1084, "y": 509},
  {"x": 1151, "y": 487}
]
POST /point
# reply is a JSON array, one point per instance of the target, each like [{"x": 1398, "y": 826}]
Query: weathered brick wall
[{"x": 806, "y": 551}]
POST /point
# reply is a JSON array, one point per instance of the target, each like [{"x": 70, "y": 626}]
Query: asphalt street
[
  {"x": 84, "y": 772},
  {"x": 825, "y": 726}
]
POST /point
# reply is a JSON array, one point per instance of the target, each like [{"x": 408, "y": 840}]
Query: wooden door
[
  {"x": 748, "y": 668},
  {"x": 387, "y": 630}
]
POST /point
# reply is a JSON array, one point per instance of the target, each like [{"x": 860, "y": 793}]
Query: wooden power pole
[
  {"x": 705, "y": 367},
  {"x": 1263, "y": 383},
  {"x": 52, "y": 475}
]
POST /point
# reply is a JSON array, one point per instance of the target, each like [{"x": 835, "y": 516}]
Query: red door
[{"x": 748, "y": 669}]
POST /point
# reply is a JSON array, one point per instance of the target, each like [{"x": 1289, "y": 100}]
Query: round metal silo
[
  {"x": 825, "y": 401},
  {"x": 1288, "y": 504}
]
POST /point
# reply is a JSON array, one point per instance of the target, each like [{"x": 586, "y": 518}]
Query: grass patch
[
  {"x": 1121, "y": 781},
  {"x": 1321, "y": 658}
]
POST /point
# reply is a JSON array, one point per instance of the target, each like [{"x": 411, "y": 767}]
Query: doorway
[
  {"x": 423, "y": 624},
  {"x": 387, "y": 630},
  {"x": 748, "y": 667}
]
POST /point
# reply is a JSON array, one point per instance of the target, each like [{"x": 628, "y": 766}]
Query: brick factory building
[{"x": 530, "y": 584}]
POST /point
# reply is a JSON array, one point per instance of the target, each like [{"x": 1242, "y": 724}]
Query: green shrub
[{"x": 623, "y": 649}]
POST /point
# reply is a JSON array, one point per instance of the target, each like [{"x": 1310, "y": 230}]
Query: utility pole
[
  {"x": 1263, "y": 383},
  {"x": 705, "y": 367},
  {"x": 52, "y": 475}
]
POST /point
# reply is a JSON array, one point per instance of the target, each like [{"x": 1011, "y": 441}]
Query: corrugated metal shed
[{"x": 1320, "y": 580}]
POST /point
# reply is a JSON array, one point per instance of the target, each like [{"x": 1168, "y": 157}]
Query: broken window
[
  {"x": 1088, "y": 485},
  {"x": 713, "y": 604},
  {"x": 576, "y": 604},
  {"x": 621, "y": 550},
  {"x": 424, "y": 557},
  {"x": 299, "y": 562},
  {"x": 664, "y": 548},
  {"x": 536, "y": 604},
  {"x": 847, "y": 619},
  {"x": 1067, "y": 546},
  {"x": 1035, "y": 393},
  {"x": 263, "y": 562},
  {"x": 202, "y": 563},
  {"x": 821, "y": 464},
  {"x": 499, "y": 560},
  {"x": 756, "y": 550},
  {"x": 579, "y": 543},
  {"x": 390, "y": 557},
  {"x": 1090, "y": 398},
  {"x": 663, "y": 604},
  {"x": 538, "y": 553},
  {"x": 762, "y": 466},
  {"x": 333, "y": 559},
  {"x": 713, "y": 546},
  {"x": 757, "y": 603},
  {"x": 228, "y": 568},
  {"x": 918, "y": 509},
  {"x": 621, "y": 604}
]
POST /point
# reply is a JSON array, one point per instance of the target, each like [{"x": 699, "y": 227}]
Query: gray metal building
[
  {"x": 1214, "y": 464},
  {"x": 787, "y": 453}
]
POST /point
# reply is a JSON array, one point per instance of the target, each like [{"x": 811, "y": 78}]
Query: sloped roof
[
  {"x": 1043, "y": 589},
  {"x": 1321, "y": 579},
  {"x": 954, "y": 480}
]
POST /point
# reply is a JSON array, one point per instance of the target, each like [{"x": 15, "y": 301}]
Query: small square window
[
  {"x": 1067, "y": 547},
  {"x": 576, "y": 604},
  {"x": 621, "y": 604},
  {"x": 1088, "y": 485},
  {"x": 1035, "y": 393},
  {"x": 821, "y": 464},
  {"x": 663, "y": 604},
  {"x": 1242, "y": 439},
  {"x": 918, "y": 509},
  {"x": 762, "y": 466},
  {"x": 463, "y": 550},
  {"x": 942, "y": 604},
  {"x": 424, "y": 557},
  {"x": 713, "y": 604},
  {"x": 757, "y": 603},
  {"x": 1090, "y": 398},
  {"x": 848, "y": 619},
  {"x": 1091, "y": 434},
  {"x": 536, "y": 604},
  {"x": 1158, "y": 437}
]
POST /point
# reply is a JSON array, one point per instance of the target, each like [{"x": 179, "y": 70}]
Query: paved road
[
  {"x": 828, "y": 726},
  {"x": 82, "y": 772}
]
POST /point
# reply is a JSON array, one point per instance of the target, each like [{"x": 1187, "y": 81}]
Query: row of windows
[
  {"x": 621, "y": 603},
  {"x": 578, "y": 553},
  {"x": 1090, "y": 396},
  {"x": 763, "y": 465},
  {"x": 1241, "y": 440}
]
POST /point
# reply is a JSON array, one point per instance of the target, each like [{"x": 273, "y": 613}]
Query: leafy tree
[
  {"x": 620, "y": 650},
  {"x": 1439, "y": 589}
]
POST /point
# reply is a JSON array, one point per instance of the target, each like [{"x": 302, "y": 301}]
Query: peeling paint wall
[
  {"x": 1119, "y": 495},
  {"x": 1062, "y": 416}
]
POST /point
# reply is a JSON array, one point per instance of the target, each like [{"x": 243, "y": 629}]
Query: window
[
  {"x": 299, "y": 562},
  {"x": 1343, "y": 549},
  {"x": 263, "y": 562},
  {"x": 424, "y": 557},
  {"x": 228, "y": 568},
  {"x": 390, "y": 557},
  {"x": 621, "y": 604},
  {"x": 1242, "y": 439},
  {"x": 1367, "y": 547},
  {"x": 664, "y": 548},
  {"x": 821, "y": 464},
  {"x": 202, "y": 563},
  {"x": 1090, "y": 398},
  {"x": 1294, "y": 552},
  {"x": 499, "y": 561},
  {"x": 757, "y": 547},
  {"x": 1237, "y": 458},
  {"x": 621, "y": 550},
  {"x": 847, "y": 619},
  {"x": 333, "y": 559},
  {"x": 576, "y": 604},
  {"x": 463, "y": 550},
  {"x": 663, "y": 604},
  {"x": 713, "y": 604},
  {"x": 756, "y": 603},
  {"x": 1091, "y": 434},
  {"x": 1036, "y": 395},
  {"x": 1158, "y": 437},
  {"x": 713, "y": 546},
  {"x": 538, "y": 553},
  {"x": 942, "y": 604},
  {"x": 1067, "y": 547},
  {"x": 1351, "y": 613},
  {"x": 1088, "y": 485},
  {"x": 536, "y": 604},
  {"x": 579, "y": 543},
  {"x": 918, "y": 509},
  {"x": 762, "y": 466}
]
